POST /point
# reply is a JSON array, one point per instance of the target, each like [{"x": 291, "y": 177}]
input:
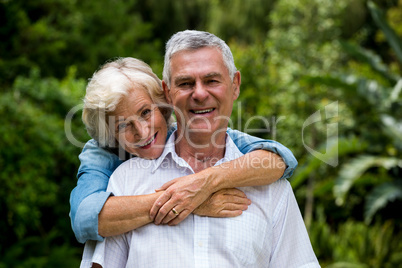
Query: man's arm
[{"x": 289, "y": 234}]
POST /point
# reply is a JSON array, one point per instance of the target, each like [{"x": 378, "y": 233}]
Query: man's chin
[{"x": 204, "y": 130}]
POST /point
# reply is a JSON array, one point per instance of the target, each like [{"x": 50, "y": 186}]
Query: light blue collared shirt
[{"x": 97, "y": 165}]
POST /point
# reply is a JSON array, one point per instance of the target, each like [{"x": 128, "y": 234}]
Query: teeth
[
  {"x": 151, "y": 140},
  {"x": 203, "y": 111}
]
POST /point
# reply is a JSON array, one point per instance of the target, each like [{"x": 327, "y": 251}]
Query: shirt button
[{"x": 200, "y": 244}]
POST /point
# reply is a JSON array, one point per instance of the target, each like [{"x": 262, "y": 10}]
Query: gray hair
[
  {"x": 192, "y": 40},
  {"x": 112, "y": 82}
]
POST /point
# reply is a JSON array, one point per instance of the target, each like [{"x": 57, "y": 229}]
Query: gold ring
[{"x": 175, "y": 212}]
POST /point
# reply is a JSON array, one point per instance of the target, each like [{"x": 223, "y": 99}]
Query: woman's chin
[{"x": 151, "y": 153}]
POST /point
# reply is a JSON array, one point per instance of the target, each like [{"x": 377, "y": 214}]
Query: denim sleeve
[
  {"x": 247, "y": 143},
  {"x": 89, "y": 196}
]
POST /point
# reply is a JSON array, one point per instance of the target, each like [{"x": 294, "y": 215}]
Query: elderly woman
[{"x": 126, "y": 114}]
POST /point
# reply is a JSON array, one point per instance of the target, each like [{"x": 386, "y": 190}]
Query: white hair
[
  {"x": 192, "y": 40},
  {"x": 112, "y": 82}
]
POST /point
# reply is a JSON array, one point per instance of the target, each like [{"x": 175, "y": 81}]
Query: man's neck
[{"x": 201, "y": 151}]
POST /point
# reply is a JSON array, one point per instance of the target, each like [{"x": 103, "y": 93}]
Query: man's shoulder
[
  {"x": 279, "y": 190},
  {"x": 135, "y": 163},
  {"x": 231, "y": 150}
]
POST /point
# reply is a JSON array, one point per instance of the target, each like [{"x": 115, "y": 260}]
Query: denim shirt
[{"x": 97, "y": 164}]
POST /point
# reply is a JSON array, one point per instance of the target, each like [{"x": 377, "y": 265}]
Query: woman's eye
[
  {"x": 145, "y": 112},
  {"x": 122, "y": 126}
]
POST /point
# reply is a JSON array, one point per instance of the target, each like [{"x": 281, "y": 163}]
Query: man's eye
[{"x": 185, "y": 84}]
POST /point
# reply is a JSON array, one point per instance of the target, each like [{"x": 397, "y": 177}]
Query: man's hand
[
  {"x": 184, "y": 194},
  {"x": 223, "y": 204}
]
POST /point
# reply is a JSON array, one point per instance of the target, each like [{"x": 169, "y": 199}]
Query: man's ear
[
  {"x": 236, "y": 85},
  {"x": 166, "y": 91}
]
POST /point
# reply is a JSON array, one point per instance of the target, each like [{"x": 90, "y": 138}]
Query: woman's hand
[
  {"x": 223, "y": 204},
  {"x": 182, "y": 194}
]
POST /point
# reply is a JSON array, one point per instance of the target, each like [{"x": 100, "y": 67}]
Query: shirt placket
[{"x": 201, "y": 231}]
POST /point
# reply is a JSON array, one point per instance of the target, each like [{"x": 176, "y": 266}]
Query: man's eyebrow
[
  {"x": 209, "y": 75},
  {"x": 181, "y": 78}
]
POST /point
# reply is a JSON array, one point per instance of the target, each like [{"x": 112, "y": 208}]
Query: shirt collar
[
  {"x": 169, "y": 150},
  {"x": 231, "y": 153}
]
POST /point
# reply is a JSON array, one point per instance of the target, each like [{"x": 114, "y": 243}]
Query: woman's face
[{"x": 139, "y": 126}]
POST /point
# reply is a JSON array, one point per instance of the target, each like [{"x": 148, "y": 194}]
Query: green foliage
[
  {"x": 36, "y": 166},
  {"x": 381, "y": 196},
  {"x": 41, "y": 252},
  {"x": 297, "y": 58},
  {"x": 377, "y": 92},
  {"x": 372, "y": 59},
  {"x": 391, "y": 36},
  {"x": 56, "y": 34},
  {"x": 346, "y": 146},
  {"x": 353, "y": 170},
  {"x": 240, "y": 20},
  {"x": 355, "y": 244}
]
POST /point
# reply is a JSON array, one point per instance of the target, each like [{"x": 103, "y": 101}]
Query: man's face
[{"x": 201, "y": 90}]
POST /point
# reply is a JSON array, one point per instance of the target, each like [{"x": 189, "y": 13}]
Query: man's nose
[{"x": 200, "y": 92}]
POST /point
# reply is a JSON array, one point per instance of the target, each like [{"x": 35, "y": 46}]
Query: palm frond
[
  {"x": 345, "y": 146},
  {"x": 392, "y": 38},
  {"x": 393, "y": 128},
  {"x": 370, "y": 58},
  {"x": 380, "y": 197},
  {"x": 353, "y": 170}
]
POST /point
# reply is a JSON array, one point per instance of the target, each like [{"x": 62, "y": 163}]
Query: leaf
[
  {"x": 334, "y": 81},
  {"x": 380, "y": 97},
  {"x": 371, "y": 58},
  {"x": 380, "y": 197},
  {"x": 392, "y": 38},
  {"x": 393, "y": 128},
  {"x": 353, "y": 170},
  {"x": 347, "y": 265},
  {"x": 373, "y": 92},
  {"x": 345, "y": 146},
  {"x": 396, "y": 92}
]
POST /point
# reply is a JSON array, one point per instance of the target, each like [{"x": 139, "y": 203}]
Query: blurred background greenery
[{"x": 296, "y": 57}]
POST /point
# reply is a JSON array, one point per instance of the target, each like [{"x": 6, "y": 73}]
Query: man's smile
[{"x": 204, "y": 111}]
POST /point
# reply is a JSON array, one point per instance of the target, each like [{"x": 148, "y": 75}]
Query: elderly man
[{"x": 201, "y": 82}]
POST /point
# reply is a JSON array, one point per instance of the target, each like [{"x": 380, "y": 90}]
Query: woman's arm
[
  {"x": 247, "y": 143},
  {"x": 121, "y": 214},
  {"x": 89, "y": 196},
  {"x": 260, "y": 167},
  {"x": 96, "y": 214},
  {"x": 187, "y": 193}
]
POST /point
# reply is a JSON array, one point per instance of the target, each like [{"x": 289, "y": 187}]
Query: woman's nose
[{"x": 141, "y": 129}]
